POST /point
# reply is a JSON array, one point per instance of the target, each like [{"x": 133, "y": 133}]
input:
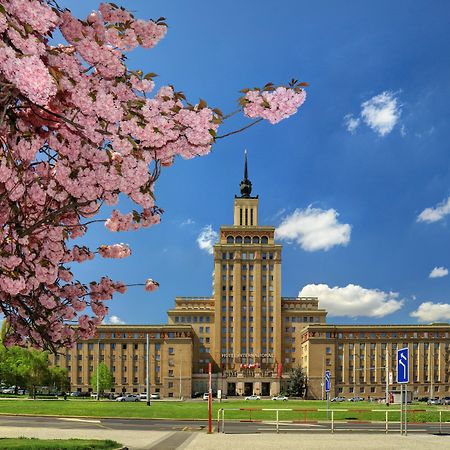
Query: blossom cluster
[
  {"x": 273, "y": 106},
  {"x": 78, "y": 129}
]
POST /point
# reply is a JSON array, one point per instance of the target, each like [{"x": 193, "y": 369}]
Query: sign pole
[
  {"x": 401, "y": 409},
  {"x": 209, "y": 400},
  {"x": 403, "y": 379},
  {"x": 406, "y": 408},
  {"x": 327, "y": 390}
]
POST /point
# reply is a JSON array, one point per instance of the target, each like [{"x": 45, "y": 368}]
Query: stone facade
[{"x": 253, "y": 336}]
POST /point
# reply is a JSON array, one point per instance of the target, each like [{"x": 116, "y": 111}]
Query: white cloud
[
  {"x": 381, "y": 112},
  {"x": 431, "y": 215},
  {"x": 353, "y": 300},
  {"x": 113, "y": 320},
  {"x": 207, "y": 238},
  {"x": 314, "y": 229},
  {"x": 186, "y": 222},
  {"x": 351, "y": 122},
  {"x": 432, "y": 312},
  {"x": 438, "y": 272}
]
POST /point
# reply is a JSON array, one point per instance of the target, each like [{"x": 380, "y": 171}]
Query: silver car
[{"x": 128, "y": 398}]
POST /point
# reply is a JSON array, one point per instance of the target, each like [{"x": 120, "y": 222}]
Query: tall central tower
[{"x": 247, "y": 289}]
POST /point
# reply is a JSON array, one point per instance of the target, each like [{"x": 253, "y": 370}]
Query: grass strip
[
  {"x": 23, "y": 443},
  {"x": 199, "y": 410}
]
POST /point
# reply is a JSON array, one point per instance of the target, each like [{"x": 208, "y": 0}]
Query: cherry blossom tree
[{"x": 78, "y": 128}]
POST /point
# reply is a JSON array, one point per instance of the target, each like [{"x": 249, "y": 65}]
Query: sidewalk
[{"x": 186, "y": 440}]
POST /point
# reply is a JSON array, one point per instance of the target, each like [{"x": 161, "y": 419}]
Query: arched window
[
  {"x": 230, "y": 240},
  {"x": 247, "y": 240},
  {"x": 264, "y": 240},
  {"x": 255, "y": 239},
  {"x": 238, "y": 240}
]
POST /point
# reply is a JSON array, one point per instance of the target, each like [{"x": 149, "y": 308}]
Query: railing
[{"x": 332, "y": 421}]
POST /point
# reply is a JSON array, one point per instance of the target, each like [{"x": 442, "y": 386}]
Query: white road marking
[{"x": 72, "y": 419}]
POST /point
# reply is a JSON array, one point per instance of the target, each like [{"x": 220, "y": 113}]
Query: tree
[
  {"x": 78, "y": 129},
  {"x": 105, "y": 379},
  {"x": 29, "y": 368},
  {"x": 297, "y": 382}
]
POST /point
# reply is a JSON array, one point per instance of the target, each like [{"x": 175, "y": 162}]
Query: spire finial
[
  {"x": 246, "y": 184},
  {"x": 245, "y": 166}
]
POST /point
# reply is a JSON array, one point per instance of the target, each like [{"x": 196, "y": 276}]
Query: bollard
[
  {"x": 440, "y": 422},
  {"x": 332, "y": 421},
  {"x": 277, "y": 422},
  {"x": 223, "y": 420},
  {"x": 218, "y": 420},
  {"x": 387, "y": 426}
]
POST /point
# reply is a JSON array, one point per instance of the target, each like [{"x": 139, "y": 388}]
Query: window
[{"x": 171, "y": 351}]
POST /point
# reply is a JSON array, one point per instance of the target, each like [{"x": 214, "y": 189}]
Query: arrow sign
[
  {"x": 403, "y": 365},
  {"x": 327, "y": 381}
]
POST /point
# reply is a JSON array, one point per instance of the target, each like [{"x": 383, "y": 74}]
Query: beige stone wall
[
  {"x": 360, "y": 357},
  {"x": 123, "y": 349}
]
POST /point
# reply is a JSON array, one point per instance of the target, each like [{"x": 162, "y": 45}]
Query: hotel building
[{"x": 253, "y": 336}]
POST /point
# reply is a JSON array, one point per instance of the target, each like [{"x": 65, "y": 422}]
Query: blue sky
[{"x": 359, "y": 177}]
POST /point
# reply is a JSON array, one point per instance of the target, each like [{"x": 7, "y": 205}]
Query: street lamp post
[
  {"x": 147, "y": 370},
  {"x": 98, "y": 371}
]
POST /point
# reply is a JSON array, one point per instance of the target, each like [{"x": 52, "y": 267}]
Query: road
[{"x": 231, "y": 427}]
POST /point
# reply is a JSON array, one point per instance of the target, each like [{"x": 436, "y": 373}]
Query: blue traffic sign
[
  {"x": 327, "y": 381},
  {"x": 402, "y": 365}
]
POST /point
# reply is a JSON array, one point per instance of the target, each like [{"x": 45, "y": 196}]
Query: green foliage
[
  {"x": 29, "y": 368},
  {"x": 57, "y": 444},
  {"x": 297, "y": 383},
  {"x": 105, "y": 379}
]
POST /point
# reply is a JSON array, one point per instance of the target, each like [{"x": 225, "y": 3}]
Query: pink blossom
[
  {"x": 151, "y": 285},
  {"x": 273, "y": 106},
  {"x": 114, "y": 251}
]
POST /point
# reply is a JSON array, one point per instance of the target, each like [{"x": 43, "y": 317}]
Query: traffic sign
[
  {"x": 403, "y": 365},
  {"x": 327, "y": 381}
]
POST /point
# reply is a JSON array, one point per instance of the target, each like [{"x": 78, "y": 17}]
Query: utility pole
[
  {"x": 98, "y": 371},
  {"x": 431, "y": 371},
  {"x": 147, "y": 370},
  {"x": 387, "y": 376},
  {"x": 181, "y": 365}
]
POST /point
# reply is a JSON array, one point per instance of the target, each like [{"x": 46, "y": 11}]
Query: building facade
[{"x": 253, "y": 336}]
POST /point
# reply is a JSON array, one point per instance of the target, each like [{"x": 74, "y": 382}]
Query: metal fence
[{"x": 330, "y": 416}]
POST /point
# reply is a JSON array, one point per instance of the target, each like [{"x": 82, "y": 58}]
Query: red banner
[{"x": 279, "y": 370}]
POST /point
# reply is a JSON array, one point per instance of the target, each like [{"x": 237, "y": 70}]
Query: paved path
[
  {"x": 187, "y": 440},
  {"x": 172, "y": 435}
]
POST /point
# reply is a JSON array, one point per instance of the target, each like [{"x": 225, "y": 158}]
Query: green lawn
[
  {"x": 56, "y": 444},
  {"x": 199, "y": 410}
]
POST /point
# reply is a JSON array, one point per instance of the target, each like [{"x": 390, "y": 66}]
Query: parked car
[
  {"x": 253, "y": 397},
  {"x": 434, "y": 401},
  {"x": 205, "y": 396},
  {"x": 282, "y": 398},
  {"x": 356, "y": 399},
  {"x": 128, "y": 398},
  {"x": 338, "y": 399},
  {"x": 423, "y": 399},
  {"x": 93, "y": 394},
  {"x": 445, "y": 401},
  {"x": 155, "y": 396},
  {"x": 143, "y": 396},
  {"x": 10, "y": 390}
]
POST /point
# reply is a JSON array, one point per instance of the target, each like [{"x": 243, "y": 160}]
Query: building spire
[{"x": 246, "y": 184}]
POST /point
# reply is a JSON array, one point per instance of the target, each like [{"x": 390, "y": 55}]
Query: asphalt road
[{"x": 231, "y": 427}]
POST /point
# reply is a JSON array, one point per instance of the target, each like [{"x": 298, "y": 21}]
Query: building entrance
[
  {"x": 231, "y": 389},
  {"x": 248, "y": 389},
  {"x": 265, "y": 389}
]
